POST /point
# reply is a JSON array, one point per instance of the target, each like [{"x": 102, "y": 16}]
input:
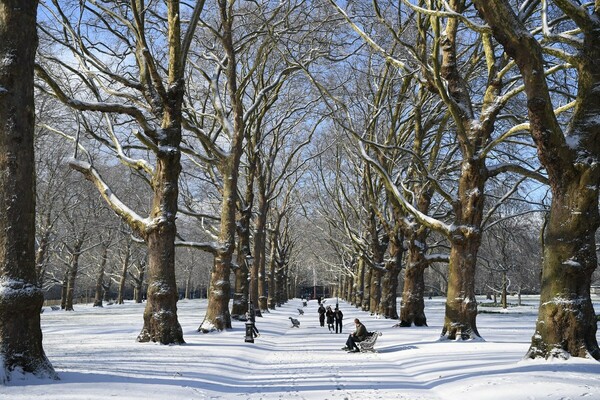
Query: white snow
[{"x": 96, "y": 355}]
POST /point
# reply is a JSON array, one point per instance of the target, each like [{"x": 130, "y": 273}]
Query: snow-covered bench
[
  {"x": 295, "y": 322},
  {"x": 367, "y": 344}
]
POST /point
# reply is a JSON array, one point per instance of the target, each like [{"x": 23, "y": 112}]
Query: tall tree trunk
[
  {"x": 366, "y": 296},
  {"x": 375, "y": 287},
  {"x": 241, "y": 294},
  {"x": 188, "y": 284},
  {"x": 63, "y": 289},
  {"x": 359, "y": 282},
  {"x": 20, "y": 297},
  {"x": 272, "y": 293},
  {"x": 217, "y": 313},
  {"x": 160, "y": 314},
  {"x": 281, "y": 282},
  {"x": 413, "y": 293},
  {"x": 260, "y": 240},
  {"x": 138, "y": 292},
  {"x": 72, "y": 275},
  {"x": 389, "y": 287},
  {"x": 123, "y": 277},
  {"x": 99, "y": 293},
  {"x": 41, "y": 257},
  {"x": 461, "y": 305}
]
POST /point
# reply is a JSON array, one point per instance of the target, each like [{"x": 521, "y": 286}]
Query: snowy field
[{"x": 95, "y": 353}]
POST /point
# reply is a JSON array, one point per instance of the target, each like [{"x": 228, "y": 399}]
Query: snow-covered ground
[{"x": 95, "y": 353}]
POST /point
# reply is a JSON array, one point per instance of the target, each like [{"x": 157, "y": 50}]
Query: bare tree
[
  {"x": 147, "y": 94},
  {"x": 566, "y": 323}
]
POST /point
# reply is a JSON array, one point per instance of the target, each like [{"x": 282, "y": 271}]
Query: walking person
[
  {"x": 330, "y": 318},
  {"x": 321, "y": 311},
  {"x": 338, "y": 315}
]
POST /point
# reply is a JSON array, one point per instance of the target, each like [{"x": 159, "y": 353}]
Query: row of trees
[
  {"x": 397, "y": 128},
  {"x": 435, "y": 109}
]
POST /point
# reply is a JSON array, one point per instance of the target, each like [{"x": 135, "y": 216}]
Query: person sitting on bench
[{"x": 358, "y": 335}]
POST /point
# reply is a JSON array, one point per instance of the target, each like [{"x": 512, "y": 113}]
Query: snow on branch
[
  {"x": 209, "y": 247},
  {"x": 423, "y": 219},
  {"x": 438, "y": 257},
  {"x": 136, "y": 222}
]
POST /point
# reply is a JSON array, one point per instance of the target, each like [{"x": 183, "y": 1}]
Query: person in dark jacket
[
  {"x": 338, "y": 316},
  {"x": 358, "y": 335},
  {"x": 329, "y": 315},
  {"x": 321, "y": 311}
]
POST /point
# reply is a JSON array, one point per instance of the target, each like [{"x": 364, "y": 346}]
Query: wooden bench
[{"x": 368, "y": 344}]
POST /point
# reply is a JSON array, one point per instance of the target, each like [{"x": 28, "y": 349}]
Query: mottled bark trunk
[
  {"x": 107, "y": 291},
  {"x": 461, "y": 305},
  {"x": 260, "y": 241},
  {"x": 359, "y": 282},
  {"x": 271, "y": 302},
  {"x": 160, "y": 314},
  {"x": 366, "y": 295},
  {"x": 389, "y": 287},
  {"x": 41, "y": 257},
  {"x": 72, "y": 275},
  {"x": 138, "y": 292},
  {"x": 241, "y": 287},
  {"x": 241, "y": 294},
  {"x": 349, "y": 292},
  {"x": 20, "y": 297},
  {"x": 63, "y": 289},
  {"x": 413, "y": 293},
  {"x": 123, "y": 277},
  {"x": 281, "y": 282},
  {"x": 99, "y": 290},
  {"x": 375, "y": 288},
  {"x": 566, "y": 319}
]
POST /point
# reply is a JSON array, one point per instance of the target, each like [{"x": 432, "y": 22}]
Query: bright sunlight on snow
[{"x": 95, "y": 353}]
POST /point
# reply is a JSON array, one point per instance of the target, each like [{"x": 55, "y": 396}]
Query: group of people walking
[{"x": 334, "y": 318}]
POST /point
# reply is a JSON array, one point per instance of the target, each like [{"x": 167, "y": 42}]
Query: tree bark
[
  {"x": 123, "y": 277},
  {"x": 260, "y": 240},
  {"x": 138, "y": 292},
  {"x": 413, "y": 293},
  {"x": 461, "y": 305},
  {"x": 271, "y": 299},
  {"x": 72, "y": 274},
  {"x": 359, "y": 286},
  {"x": 20, "y": 297},
  {"x": 99, "y": 290},
  {"x": 389, "y": 287}
]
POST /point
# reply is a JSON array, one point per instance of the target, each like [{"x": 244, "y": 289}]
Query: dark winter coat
[
  {"x": 360, "y": 333},
  {"x": 329, "y": 315},
  {"x": 338, "y": 315}
]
